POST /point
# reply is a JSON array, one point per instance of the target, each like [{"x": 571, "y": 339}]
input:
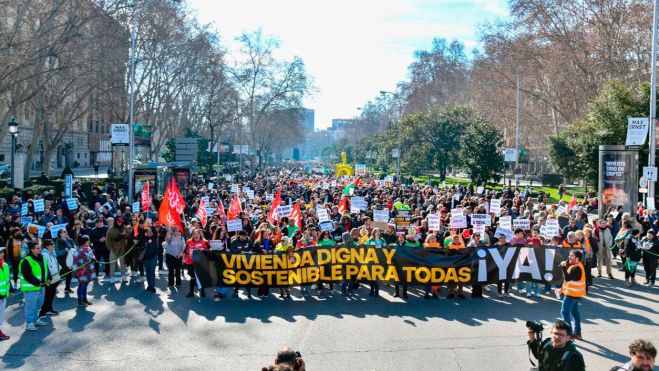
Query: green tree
[
  {"x": 575, "y": 152},
  {"x": 481, "y": 151},
  {"x": 170, "y": 154}
]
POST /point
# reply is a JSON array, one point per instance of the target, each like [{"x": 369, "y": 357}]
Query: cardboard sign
[
  {"x": 381, "y": 216},
  {"x": 211, "y": 186},
  {"x": 235, "y": 188},
  {"x": 458, "y": 221},
  {"x": 505, "y": 222},
  {"x": 39, "y": 205},
  {"x": 71, "y": 203},
  {"x": 24, "y": 209},
  {"x": 561, "y": 210},
  {"x": 284, "y": 211},
  {"x": 269, "y": 197},
  {"x": 326, "y": 226},
  {"x": 136, "y": 207},
  {"x": 503, "y": 232},
  {"x": 234, "y": 225},
  {"x": 457, "y": 211},
  {"x": 481, "y": 219},
  {"x": 216, "y": 244},
  {"x": 524, "y": 224},
  {"x": 250, "y": 194},
  {"x": 210, "y": 211},
  {"x": 25, "y": 220},
  {"x": 495, "y": 207},
  {"x": 54, "y": 229},
  {"x": 480, "y": 190},
  {"x": 434, "y": 222},
  {"x": 478, "y": 228},
  {"x": 323, "y": 215}
]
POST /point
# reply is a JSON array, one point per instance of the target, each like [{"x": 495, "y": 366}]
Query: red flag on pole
[
  {"x": 146, "y": 199},
  {"x": 234, "y": 208},
  {"x": 296, "y": 215},
  {"x": 272, "y": 214},
  {"x": 220, "y": 208},
  {"x": 201, "y": 213},
  {"x": 177, "y": 201},
  {"x": 573, "y": 203},
  {"x": 167, "y": 216},
  {"x": 343, "y": 205}
]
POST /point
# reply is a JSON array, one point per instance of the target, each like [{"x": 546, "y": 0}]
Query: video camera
[
  {"x": 534, "y": 326},
  {"x": 537, "y": 328}
]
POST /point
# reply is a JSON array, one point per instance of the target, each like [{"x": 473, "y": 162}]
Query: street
[{"x": 129, "y": 328}]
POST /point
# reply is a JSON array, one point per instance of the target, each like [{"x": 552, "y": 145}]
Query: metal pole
[
  {"x": 653, "y": 97},
  {"x": 131, "y": 140},
  {"x": 218, "y": 158},
  {"x": 400, "y": 125},
  {"x": 516, "y": 126},
  {"x": 13, "y": 154}
]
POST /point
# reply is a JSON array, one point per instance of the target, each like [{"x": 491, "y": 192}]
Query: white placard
[
  {"x": 457, "y": 211},
  {"x": 637, "y": 131},
  {"x": 478, "y": 228},
  {"x": 119, "y": 134},
  {"x": 381, "y": 216},
  {"x": 505, "y": 222},
  {"x": 552, "y": 228},
  {"x": 250, "y": 194},
  {"x": 269, "y": 197},
  {"x": 107, "y": 206},
  {"x": 358, "y": 203},
  {"x": 24, "y": 209},
  {"x": 434, "y": 222},
  {"x": 54, "y": 229},
  {"x": 216, "y": 244},
  {"x": 136, "y": 207},
  {"x": 480, "y": 190},
  {"x": 360, "y": 169},
  {"x": 503, "y": 232},
  {"x": 323, "y": 215},
  {"x": 326, "y": 185},
  {"x": 38, "y": 205},
  {"x": 234, "y": 225},
  {"x": 211, "y": 186},
  {"x": 495, "y": 206},
  {"x": 650, "y": 173},
  {"x": 561, "y": 209},
  {"x": 481, "y": 219},
  {"x": 510, "y": 155},
  {"x": 458, "y": 221},
  {"x": 235, "y": 188},
  {"x": 284, "y": 211},
  {"x": 524, "y": 224},
  {"x": 206, "y": 200}
]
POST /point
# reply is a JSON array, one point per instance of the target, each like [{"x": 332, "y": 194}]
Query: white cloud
[{"x": 353, "y": 49}]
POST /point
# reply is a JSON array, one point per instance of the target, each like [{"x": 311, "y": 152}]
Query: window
[
  {"x": 78, "y": 155},
  {"x": 2, "y": 157}
]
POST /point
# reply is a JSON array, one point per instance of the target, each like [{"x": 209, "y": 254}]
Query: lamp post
[
  {"x": 400, "y": 118},
  {"x": 13, "y": 131},
  {"x": 131, "y": 138}
]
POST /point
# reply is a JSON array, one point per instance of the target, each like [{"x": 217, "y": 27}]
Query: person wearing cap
[
  {"x": 4, "y": 290},
  {"x": 115, "y": 240}
]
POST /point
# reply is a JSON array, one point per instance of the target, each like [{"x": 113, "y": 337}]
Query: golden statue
[{"x": 343, "y": 168}]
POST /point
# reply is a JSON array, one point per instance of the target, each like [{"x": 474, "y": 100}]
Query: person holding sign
[
  {"x": 196, "y": 242},
  {"x": 457, "y": 243}
]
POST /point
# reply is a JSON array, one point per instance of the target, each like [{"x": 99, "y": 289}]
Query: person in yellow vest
[
  {"x": 33, "y": 273},
  {"x": 574, "y": 288},
  {"x": 4, "y": 290}
]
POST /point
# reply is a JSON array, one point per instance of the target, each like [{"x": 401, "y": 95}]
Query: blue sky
[{"x": 352, "y": 49}]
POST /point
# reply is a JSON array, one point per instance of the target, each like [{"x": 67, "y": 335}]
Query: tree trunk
[{"x": 442, "y": 173}]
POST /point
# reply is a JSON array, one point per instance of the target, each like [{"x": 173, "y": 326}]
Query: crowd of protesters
[{"x": 102, "y": 232}]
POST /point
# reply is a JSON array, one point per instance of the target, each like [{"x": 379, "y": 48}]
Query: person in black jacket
[
  {"x": 650, "y": 245},
  {"x": 97, "y": 237},
  {"x": 557, "y": 353},
  {"x": 149, "y": 250},
  {"x": 632, "y": 256}
]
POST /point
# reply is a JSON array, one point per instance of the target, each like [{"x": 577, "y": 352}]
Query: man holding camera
[
  {"x": 574, "y": 288},
  {"x": 557, "y": 353}
]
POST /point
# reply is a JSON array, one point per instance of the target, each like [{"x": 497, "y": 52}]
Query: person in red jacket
[{"x": 196, "y": 242}]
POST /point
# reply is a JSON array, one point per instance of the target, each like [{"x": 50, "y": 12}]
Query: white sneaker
[
  {"x": 30, "y": 327},
  {"x": 40, "y": 323},
  {"x": 139, "y": 280}
]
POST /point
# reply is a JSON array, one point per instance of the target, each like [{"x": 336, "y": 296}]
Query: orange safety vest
[
  {"x": 576, "y": 245},
  {"x": 575, "y": 289}
]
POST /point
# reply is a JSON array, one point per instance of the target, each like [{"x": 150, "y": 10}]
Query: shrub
[{"x": 552, "y": 180}]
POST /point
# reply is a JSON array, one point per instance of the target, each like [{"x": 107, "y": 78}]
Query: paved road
[{"x": 130, "y": 329}]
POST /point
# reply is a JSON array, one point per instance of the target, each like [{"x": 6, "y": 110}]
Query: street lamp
[
  {"x": 13, "y": 130},
  {"x": 400, "y": 118}
]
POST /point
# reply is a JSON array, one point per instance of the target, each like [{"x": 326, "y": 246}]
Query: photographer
[{"x": 558, "y": 352}]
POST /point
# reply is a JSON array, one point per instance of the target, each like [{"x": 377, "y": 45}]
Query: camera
[{"x": 534, "y": 326}]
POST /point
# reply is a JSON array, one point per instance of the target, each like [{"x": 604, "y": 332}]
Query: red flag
[
  {"x": 201, "y": 213},
  {"x": 272, "y": 214},
  {"x": 220, "y": 208},
  {"x": 146, "y": 200},
  {"x": 166, "y": 216},
  {"x": 176, "y": 199},
  {"x": 343, "y": 205},
  {"x": 234, "y": 208},
  {"x": 572, "y": 203},
  {"x": 296, "y": 215}
]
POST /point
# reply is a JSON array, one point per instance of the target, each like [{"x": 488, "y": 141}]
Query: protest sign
[
  {"x": 284, "y": 211},
  {"x": 481, "y": 219},
  {"x": 458, "y": 221},
  {"x": 54, "y": 229},
  {"x": 457, "y": 211},
  {"x": 39, "y": 230},
  {"x": 250, "y": 194},
  {"x": 323, "y": 215},
  {"x": 38, "y": 205},
  {"x": 416, "y": 266},
  {"x": 480, "y": 190},
  {"x": 381, "y": 216},
  {"x": 71, "y": 203},
  {"x": 504, "y": 232},
  {"x": 234, "y": 225},
  {"x": 326, "y": 226},
  {"x": 359, "y": 203},
  {"x": 561, "y": 210},
  {"x": 235, "y": 188},
  {"x": 495, "y": 206},
  {"x": 505, "y": 222},
  {"x": 524, "y": 224},
  {"x": 211, "y": 185},
  {"x": 216, "y": 244},
  {"x": 402, "y": 220},
  {"x": 269, "y": 197},
  {"x": 552, "y": 228},
  {"x": 24, "y": 209},
  {"x": 433, "y": 222},
  {"x": 136, "y": 207},
  {"x": 25, "y": 220}
]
